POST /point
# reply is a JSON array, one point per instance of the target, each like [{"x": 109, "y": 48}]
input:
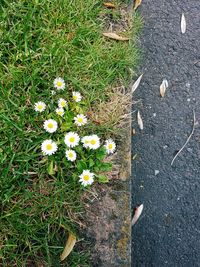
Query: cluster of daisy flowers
[{"x": 71, "y": 138}]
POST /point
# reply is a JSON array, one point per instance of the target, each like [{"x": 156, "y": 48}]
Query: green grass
[{"x": 40, "y": 40}]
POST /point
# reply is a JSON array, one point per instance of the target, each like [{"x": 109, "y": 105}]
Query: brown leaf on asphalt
[
  {"x": 137, "y": 4},
  {"x": 183, "y": 23},
  {"x": 133, "y": 131},
  {"x": 140, "y": 122},
  {"x": 115, "y": 36},
  {"x": 163, "y": 87},
  {"x": 138, "y": 212},
  {"x": 68, "y": 247},
  {"x": 136, "y": 84},
  {"x": 109, "y": 5}
]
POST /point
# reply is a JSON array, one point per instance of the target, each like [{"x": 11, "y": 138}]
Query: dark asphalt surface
[{"x": 168, "y": 231}]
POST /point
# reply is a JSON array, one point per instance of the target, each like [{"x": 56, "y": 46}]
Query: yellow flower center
[
  {"x": 50, "y": 125},
  {"x": 49, "y": 147},
  {"x": 93, "y": 142},
  {"x": 70, "y": 155},
  {"x": 40, "y": 107},
  {"x": 75, "y": 97},
  {"x": 60, "y": 112},
  {"x": 62, "y": 103},
  {"x": 80, "y": 120},
  {"x": 110, "y": 146},
  {"x": 71, "y": 139},
  {"x": 86, "y": 177},
  {"x": 59, "y": 83}
]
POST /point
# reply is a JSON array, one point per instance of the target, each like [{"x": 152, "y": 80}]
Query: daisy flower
[
  {"x": 62, "y": 103},
  {"x": 70, "y": 155},
  {"x": 86, "y": 178},
  {"x": 60, "y": 111},
  {"x": 110, "y": 146},
  {"x": 50, "y": 126},
  {"x": 59, "y": 83},
  {"x": 85, "y": 140},
  {"x": 71, "y": 139},
  {"x": 40, "y": 106},
  {"x": 94, "y": 141},
  {"x": 80, "y": 120},
  {"x": 76, "y": 96},
  {"x": 49, "y": 147}
]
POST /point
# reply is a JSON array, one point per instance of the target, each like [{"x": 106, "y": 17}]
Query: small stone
[
  {"x": 157, "y": 172},
  {"x": 154, "y": 115},
  {"x": 188, "y": 85},
  {"x": 188, "y": 100},
  {"x": 165, "y": 146}
]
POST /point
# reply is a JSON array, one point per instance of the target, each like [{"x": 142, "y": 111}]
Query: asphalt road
[{"x": 168, "y": 231}]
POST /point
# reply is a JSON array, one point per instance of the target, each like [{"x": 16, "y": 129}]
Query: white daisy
[
  {"x": 80, "y": 120},
  {"x": 49, "y": 147},
  {"x": 40, "y": 106},
  {"x": 53, "y": 92},
  {"x": 94, "y": 141},
  {"x": 70, "y": 155},
  {"x": 62, "y": 103},
  {"x": 85, "y": 140},
  {"x": 71, "y": 139},
  {"x": 50, "y": 126},
  {"x": 59, "y": 83},
  {"x": 76, "y": 96},
  {"x": 60, "y": 111},
  {"x": 110, "y": 146},
  {"x": 86, "y": 178}
]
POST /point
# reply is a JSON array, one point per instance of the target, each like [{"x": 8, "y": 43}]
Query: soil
[{"x": 168, "y": 231}]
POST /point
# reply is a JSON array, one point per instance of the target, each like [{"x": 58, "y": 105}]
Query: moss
[{"x": 123, "y": 242}]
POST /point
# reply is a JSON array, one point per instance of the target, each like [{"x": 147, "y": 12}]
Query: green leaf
[
  {"x": 102, "y": 179},
  {"x": 79, "y": 109},
  {"x": 66, "y": 126},
  {"x": 81, "y": 165},
  {"x": 105, "y": 167},
  {"x": 50, "y": 168},
  {"x": 101, "y": 153},
  {"x": 91, "y": 162},
  {"x": 79, "y": 149},
  {"x": 69, "y": 115}
]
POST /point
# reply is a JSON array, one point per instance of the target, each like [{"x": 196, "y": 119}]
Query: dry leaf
[
  {"x": 183, "y": 23},
  {"x": 68, "y": 247},
  {"x": 134, "y": 157},
  {"x": 109, "y": 5},
  {"x": 136, "y": 84},
  {"x": 115, "y": 36},
  {"x": 140, "y": 122},
  {"x": 133, "y": 131},
  {"x": 137, "y": 4},
  {"x": 163, "y": 87},
  {"x": 138, "y": 212}
]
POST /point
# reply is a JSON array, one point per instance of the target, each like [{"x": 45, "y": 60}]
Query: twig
[{"x": 188, "y": 139}]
